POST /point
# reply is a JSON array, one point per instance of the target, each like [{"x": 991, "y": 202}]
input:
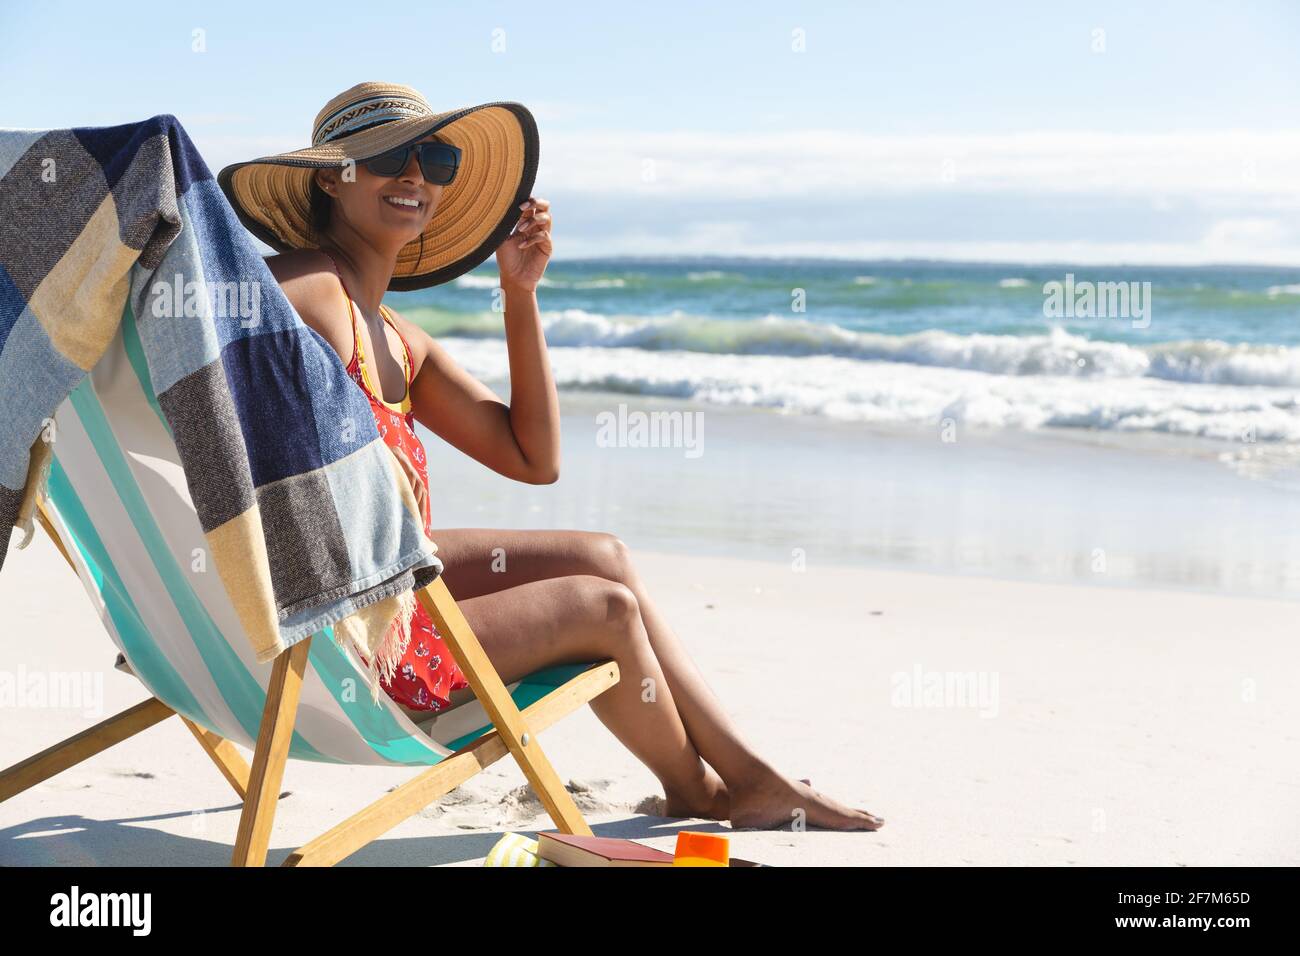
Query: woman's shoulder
[
  {"x": 309, "y": 282},
  {"x": 300, "y": 264}
]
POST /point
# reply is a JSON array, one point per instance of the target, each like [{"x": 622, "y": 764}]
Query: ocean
[
  {"x": 913, "y": 415},
  {"x": 1213, "y": 352}
]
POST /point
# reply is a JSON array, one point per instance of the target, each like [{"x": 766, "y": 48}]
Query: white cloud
[
  {"x": 1210, "y": 250},
  {"x": 803, "y": 162},
  {"x": 1252, "y": 233},
  {"x": 1229, "y": 196}
]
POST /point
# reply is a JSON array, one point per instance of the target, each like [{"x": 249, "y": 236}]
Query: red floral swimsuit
[{"x": 427, "y": 673}]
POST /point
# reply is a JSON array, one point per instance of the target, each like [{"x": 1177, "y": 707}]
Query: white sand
[{"x": 1129, "y": 727}]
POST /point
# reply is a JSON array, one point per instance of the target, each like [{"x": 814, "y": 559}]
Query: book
[{"x": 565, "y": 849}]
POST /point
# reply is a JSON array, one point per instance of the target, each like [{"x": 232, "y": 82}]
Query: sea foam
[
  {"x": 897, "y": 392},
  {"x": 1053, "y": 353},
  {"x": 1205, "y": 388}
]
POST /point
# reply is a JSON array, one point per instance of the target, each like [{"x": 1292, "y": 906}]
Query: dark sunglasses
[{"x": 438, "y": 162}]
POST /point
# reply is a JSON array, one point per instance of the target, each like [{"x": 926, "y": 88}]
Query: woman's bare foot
[{"x": 774, "y": 802}]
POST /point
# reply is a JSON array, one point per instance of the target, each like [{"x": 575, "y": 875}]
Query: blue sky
[{"x": 1159, "y": 132}]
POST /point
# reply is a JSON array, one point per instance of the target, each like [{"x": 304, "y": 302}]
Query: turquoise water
[
  {"x": 1229, "y": 304},
  {"x": 1202, "y": 352}
]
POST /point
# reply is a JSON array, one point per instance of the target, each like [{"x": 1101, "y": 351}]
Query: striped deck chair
[{"x": 120, "y": 512}]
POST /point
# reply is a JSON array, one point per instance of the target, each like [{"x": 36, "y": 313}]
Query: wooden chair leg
[
  {"x": 273, "y": 740},
  {"x": 224, "y": 754},
  {"x": 28, "y": 773},
  {"x": 500, "y": 706}
]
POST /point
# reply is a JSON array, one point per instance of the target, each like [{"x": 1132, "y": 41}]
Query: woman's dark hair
[{"x": 318, "y": 213}]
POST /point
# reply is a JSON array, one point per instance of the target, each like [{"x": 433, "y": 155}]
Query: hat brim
[{"x": 477, "y": 210}]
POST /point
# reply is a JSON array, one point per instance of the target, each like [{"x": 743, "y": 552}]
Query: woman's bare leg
[
  {"x": 750, "y": 792},
  {"x": 581, "y": 618}
]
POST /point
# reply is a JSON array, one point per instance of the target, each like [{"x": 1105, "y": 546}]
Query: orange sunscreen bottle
[{"x": 701, "y": 849}]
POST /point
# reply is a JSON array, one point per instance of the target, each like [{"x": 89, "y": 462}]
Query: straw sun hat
[{"x": 478, "y": 209}]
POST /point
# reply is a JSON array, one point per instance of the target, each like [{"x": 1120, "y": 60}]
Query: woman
[{"x": 393, "y": 196}]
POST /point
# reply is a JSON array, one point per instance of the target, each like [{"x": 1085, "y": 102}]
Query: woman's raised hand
[{"x": 522, "y": 258}]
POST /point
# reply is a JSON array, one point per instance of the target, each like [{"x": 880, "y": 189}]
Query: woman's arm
[{"x": 520, "y": 440}]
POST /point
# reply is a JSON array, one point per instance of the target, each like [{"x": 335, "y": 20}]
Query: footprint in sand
[
  {"x": 521, "y": 803},
  {"x": 470, "y": 809},
  {"x": 462, "y": 805}
]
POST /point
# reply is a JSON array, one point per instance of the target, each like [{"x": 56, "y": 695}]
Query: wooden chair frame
[{"x": 513, "y": 732}]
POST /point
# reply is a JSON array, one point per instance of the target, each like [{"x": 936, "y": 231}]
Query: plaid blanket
[{"x": 309, "y": 519}]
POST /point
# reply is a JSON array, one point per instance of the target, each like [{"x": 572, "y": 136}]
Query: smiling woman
[{"x": 394, "y": 196}]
